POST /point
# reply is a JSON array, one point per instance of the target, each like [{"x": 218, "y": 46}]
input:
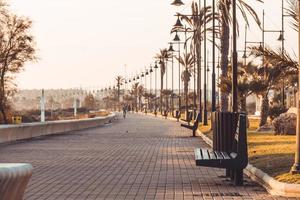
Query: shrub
[
  {"x": 285, "y": 124},
  {"x": 276, "y": 110}
]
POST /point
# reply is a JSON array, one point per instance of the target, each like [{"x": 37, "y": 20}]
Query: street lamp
[
  {"x": 171, "y": 49},
  {"x": 177, "y": 3},
  {"x": 280, "y": 38},
  {"x": 179, "y": 28},
  {"x": 155, "y": 69},
  {"x": 296, "y": 167},
  {"x": 234, "y": 60},
  {"x": 177, "y": 39},
  {"x": 213, "y": 95},
  {"x": 205, "y": 117}
]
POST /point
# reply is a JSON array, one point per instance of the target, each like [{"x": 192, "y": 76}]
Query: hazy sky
[{"x": 87, "y": 42}]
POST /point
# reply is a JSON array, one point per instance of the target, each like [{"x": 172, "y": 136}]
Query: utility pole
[{"x": 43, "y": 106}]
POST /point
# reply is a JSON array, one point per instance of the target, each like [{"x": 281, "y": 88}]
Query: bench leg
[
  {"x": 238, "y": 177},
  {"x": 231, "y": 174}
]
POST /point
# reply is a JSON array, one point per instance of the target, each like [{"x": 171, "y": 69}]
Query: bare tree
[{"x": 16, "y": 48}]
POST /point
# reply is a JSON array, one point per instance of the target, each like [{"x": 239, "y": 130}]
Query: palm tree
[
  {"x": 246, "y": 76},
  {"x": 163, "y": 57},
  {"x": 140, "y": 93},
  {"x": 293, "y": 11},
  {"x": 225, "y": 20},
  {"x": 187, "y": 60},
  {"x": 196, "y": 22},
  {"x": 278, "y": 65},
  {"x": 134, "y": 92}
]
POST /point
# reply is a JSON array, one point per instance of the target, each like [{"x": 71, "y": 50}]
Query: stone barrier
[{"x": 12, "y": 133}]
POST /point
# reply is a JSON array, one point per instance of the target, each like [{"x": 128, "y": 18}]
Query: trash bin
[{"x": 16, "y": 120}]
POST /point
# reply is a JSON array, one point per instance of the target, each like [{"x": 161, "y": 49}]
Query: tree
[
  {"x": 196, "y": 22},
  {"x": 134, "y": 92},
  {"x": 246, "y": 78},
  {"x": 140, "y": 93},
  {"x": 89, "y": 102},
  {"x": 187, "y": 61},
  {"x": 17, "y": 47},
  {"x": 293, "y": 11},
  {"x": 163, "y": 57},
  {"x": 278, "y": 65},
  {"x": 225, "y": 20}
]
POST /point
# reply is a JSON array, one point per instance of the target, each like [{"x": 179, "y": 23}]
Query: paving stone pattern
[{"x": 140, "y": 157}]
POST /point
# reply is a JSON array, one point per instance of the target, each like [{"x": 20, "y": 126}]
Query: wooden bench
[
  {"x": 13, "y": 180},
  {"x": 234, "y": 161},
  {"x": 193, "y": 127}
]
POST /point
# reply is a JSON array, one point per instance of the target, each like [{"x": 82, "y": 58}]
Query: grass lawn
[
  {"x": 268, "y": 152},
  {"x": 273, "y": 155}
]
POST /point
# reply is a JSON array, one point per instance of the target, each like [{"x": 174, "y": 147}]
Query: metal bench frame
[
  {"x": 193, "y": 127},
  {"x": 234, "y": 161}
]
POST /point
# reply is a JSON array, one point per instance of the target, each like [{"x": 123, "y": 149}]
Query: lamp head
[
  {"x": 280, "y": 38},
  {"x": 171, "y": 49},
  {"x": 245, "y": 55},
  {"x": 177, "y": 3},
  {"x": 176, "y": 38},
  {"x": 178, "y": 24}
]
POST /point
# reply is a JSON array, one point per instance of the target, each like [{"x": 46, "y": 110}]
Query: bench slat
[
  {"x": 205, "y": 154},
  {"x": 225, "y": 155},
  {"x": 212, "y": 154},
  {"x": 219, "y": 155},
  {"x": 198, "y": 154}
]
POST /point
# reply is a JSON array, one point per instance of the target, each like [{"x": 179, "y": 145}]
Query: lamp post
[
  {"x": 281, "y": 38},
  {"x": 180, "y": 3},
  {"x": 146, "y": 96},
  {"x": 205, "y": 120},
  {"x": 296, "y": 167},
  {"x": 155, "y": 69},
  {"x": 213, "y": 81},
  {"x": 177, "y": 39},
  {"x": 171, "y": 49},
  {"x": 234, "y": 59},
  {"x": 43, "y": 106},
  {"x": 179, "y": 28},
  {"x": 151, "y": 71}
]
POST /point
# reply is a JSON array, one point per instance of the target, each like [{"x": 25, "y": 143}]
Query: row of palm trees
[{"x": 252, "y": 79}]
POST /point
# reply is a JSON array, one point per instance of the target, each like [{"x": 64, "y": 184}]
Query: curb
[{"x": 273, "y": 186}]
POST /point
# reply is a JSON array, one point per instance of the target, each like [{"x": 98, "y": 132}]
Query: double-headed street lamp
[{"x": 177, "y": 40}]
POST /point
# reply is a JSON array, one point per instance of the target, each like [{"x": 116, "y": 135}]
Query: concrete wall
[{"x": 11, "y": 133}]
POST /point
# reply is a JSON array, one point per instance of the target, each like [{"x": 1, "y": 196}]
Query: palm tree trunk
[
  {"x": 264, "y": 110},
  {"x": 3, "y": 101},
  {"x": 225, "y": 34},
  {"x": 243, "y": 104},
  {"x": 186, "y": 88}
]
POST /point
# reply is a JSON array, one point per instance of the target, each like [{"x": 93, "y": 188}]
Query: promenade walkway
[{"x": 135, "y": 158}]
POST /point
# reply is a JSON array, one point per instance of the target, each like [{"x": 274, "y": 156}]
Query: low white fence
[{"x": 11, "y": 133}]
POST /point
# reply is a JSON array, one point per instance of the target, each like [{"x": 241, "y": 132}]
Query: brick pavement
[{"x": 137, "y": 158}]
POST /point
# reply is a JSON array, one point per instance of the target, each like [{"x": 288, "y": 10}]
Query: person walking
[{"x": 124, "y": 111}]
